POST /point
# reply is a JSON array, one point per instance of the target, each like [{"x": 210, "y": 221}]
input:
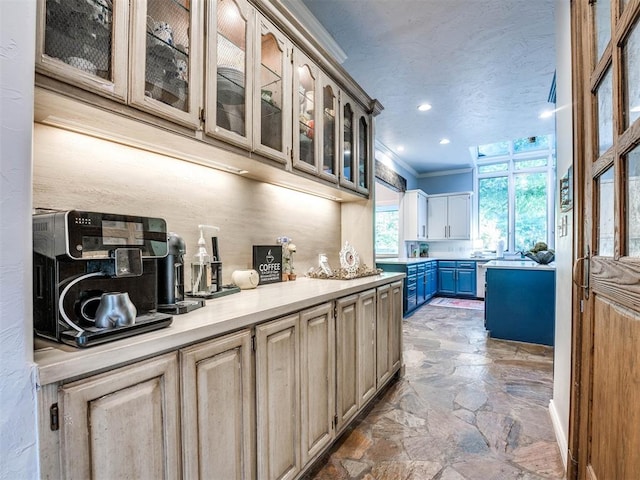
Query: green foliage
[{"x": 386, "y": 231}]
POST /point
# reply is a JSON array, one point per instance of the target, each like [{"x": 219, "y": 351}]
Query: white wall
[
  {"x": 559, "y": 406},
  {"x": 18, "y": 439}
]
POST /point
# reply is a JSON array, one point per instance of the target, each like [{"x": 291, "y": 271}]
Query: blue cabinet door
[
  {"x": 421, "y": 284},
  {"x": 466, "y": 282},
  {"x": 447, "y": 280}
]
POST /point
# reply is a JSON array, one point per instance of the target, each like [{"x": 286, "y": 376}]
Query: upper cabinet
[
  {"x": 228, "y": 76},
  {"x": 449, "y": 217},
  {"x": 232, "y": 71},
  {"x": 165, "y": 59},
  {"x": 85, "y": 44},
  {"x": 272, "y": 95},
  {"x": 414, "y": 215},
  {"x": 307, "y": 99}
]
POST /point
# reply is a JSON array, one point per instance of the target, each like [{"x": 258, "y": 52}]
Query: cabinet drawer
[
  {"x": 447, "y": 264},
  {"x": 468, "y": 265},
  {"x": 412, "y": 269},
  {"x": 421, "y": 268}
]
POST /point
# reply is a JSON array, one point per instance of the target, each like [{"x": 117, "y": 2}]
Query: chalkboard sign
[{"x": 267, "y": 261}]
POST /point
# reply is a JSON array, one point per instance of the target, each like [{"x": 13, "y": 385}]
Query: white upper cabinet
[
  {"x": 85, "y": 44},
  {"x": 272, "y": 95},
  {"x": 166, "y": 59},
  {"x": 414, "y": 215},
  {"x": 449, "y": 217},
  {"x": 228, "y": 72}
]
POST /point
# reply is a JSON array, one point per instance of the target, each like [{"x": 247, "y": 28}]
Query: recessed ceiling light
[
  {"x": 424, "y": 107},
  {"x": 547, "y": 114},
  {"x": 444, "y": 141},
  {"x": 400, "y": 148},
  {"x": 635, "y": 109}
]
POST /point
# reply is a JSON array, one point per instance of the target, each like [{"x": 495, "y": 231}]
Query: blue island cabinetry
[
  {"x": 520, "y": 303},
  {"x": 420, "y": 285}
]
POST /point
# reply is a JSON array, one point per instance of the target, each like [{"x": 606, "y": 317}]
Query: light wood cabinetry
[
  {"x": 317, "y": 379},
  {"x": 123, "y": 424},
  {"x": 278, "y": 398},
  {"x": 166, "y": 59},
  {"x": 449, "y": 217},
  {"x": 388, "y": 331},
  {"x": 395, "y": 327},
  {"x": 366, "y": 346},
  {"x": 222, "y": 68},
  {"x": 414, "y": 215},
  {"x": 218, "y": 408}
]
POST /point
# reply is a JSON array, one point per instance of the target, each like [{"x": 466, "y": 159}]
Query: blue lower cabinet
[
  {"x": 520, "y": 305},
  {"x": 457, "y": 278},
  {"x": 419, "y": 285}
]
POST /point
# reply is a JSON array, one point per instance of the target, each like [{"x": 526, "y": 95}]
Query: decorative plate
[{"x": 349, "y": 259}]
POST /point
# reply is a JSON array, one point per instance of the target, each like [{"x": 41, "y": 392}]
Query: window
[
  {"x": 514, "y": 194},
  {"x": 387, "y": 219}
]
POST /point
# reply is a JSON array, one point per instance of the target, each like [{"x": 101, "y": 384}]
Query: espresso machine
[
  {"x": 171, "y": 280},
  {"x": 95, "y": 276}
]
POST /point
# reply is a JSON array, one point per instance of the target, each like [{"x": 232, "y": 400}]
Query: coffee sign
[{"x": 267, "y": 261}]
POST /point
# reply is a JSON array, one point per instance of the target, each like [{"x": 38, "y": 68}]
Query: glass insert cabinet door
[
  {"x": 228, "y": 84},
  {"x": 273, "y": 97},
  {"x": 363, "y": 154},
  {"x": 166, "y": 58},
  {"x": 330, "y": 134},
  {"x": 306, "y": 96},
  {"x": 85, "y": 43},
  {"x": 347, "y": 175}
]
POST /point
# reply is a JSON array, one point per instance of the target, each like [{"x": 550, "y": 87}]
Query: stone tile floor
[{"x": 467, "y": 408}]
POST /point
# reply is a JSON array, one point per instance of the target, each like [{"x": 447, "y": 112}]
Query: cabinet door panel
[
  {"x": 446, "y": 280},
  {"x": 366, "y": 346},
  {"x": 364, "y": 149},
  {"x": 272, "y": 95},
  {"x": 328, "y": 131},
  {"x": 317, "y": 362},
  {"x": 466, "y": 282},
  {"x": 218, "y": 408},
  {"x": 459, "y": 217},
  {"x": 383, "y": 368},
  {"x": 347, "y": 143},
  {"x": 123, "y": 424},
  {"x": 395, "y": 326},
  {"x": 347, "y": 359},
  {"x": 437, "y": 225},
  {"x": 306, "y": 105},
  {"x": 166, "y": 58},
  {"x": 228, "y": 82},
  {"x": 91, "y": 51},
  {"x": 278, "y": 390}
]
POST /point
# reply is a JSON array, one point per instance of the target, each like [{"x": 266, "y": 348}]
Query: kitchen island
[
  {"x": 520, "y": 301},
  {"x": 257, "y": 384}
]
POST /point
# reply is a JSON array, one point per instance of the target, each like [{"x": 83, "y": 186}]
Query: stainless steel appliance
[{"x": 81, "y": 256}]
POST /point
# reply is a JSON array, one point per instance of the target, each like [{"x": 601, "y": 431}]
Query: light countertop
[
  {"x": 57, "y": 362},
  {"x": 520, "y": 265},
  {"x": 412, "y": 260}
]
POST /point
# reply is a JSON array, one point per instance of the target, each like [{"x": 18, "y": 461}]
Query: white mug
[{"x": 245, "y": 279}]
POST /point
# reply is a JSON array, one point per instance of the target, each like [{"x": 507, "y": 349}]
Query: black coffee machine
[
  {"x": 78, "y": 256},
  {"x": 171, "y": 279}
]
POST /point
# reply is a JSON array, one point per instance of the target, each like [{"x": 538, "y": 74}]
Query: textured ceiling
[{"x": 486, "y": 67}]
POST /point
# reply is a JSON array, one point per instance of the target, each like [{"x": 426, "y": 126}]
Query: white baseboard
[{"x": 561, "y": 435}]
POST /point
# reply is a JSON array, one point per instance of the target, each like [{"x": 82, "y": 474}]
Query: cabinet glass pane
[
  {"x": 530, "y": 210},
  {"x": 306, "y": 96},
  {"x": 80, "y": 34},
  {"x": 631, "y": 55},
  {"x": 633, "y": 203},
  {"x": 605, "y": 213},
  {"x": 231, "y": 68},
  {"x": 167, "y": 64},
  {"x": 271, "y": 65},
  {"x": 363, "y": 153},
  {"x": 602, "y": 20},
  {"x": 329, "y": 101},
  {"x": 347, "y": 144},
  {"x": 605, "y": 113}
]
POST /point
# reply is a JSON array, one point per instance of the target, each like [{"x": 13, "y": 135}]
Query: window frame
[{"x": 511, "y": 159}]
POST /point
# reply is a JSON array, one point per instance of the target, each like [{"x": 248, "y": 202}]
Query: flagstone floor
[{"x": 467, "y": 408}]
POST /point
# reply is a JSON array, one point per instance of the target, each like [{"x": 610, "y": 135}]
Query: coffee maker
[
  {"x": 80, "y": 259},
  {"x": 171, "y": 279}
]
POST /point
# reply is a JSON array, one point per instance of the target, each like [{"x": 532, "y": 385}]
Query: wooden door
[
  {"x": 317, "y": 379},
  {"x": 123, "y": 424},
  {"x": 218, "y": 405},
  {"x": 347, "y": 354},
  {"x": 605, "y": 413},
  {"x": 278, "y": 398},
  {"x": 395, "y": 327},
  {"x": 366, "y": 379}
]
